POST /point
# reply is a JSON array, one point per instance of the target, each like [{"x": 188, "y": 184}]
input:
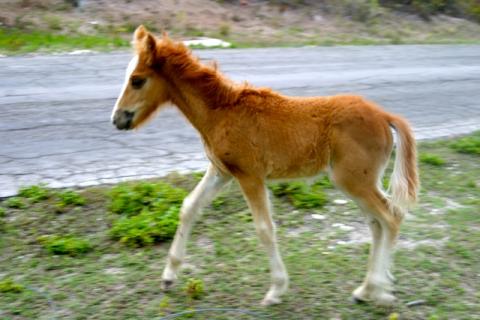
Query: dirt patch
[{"x": 259, "y": 23}]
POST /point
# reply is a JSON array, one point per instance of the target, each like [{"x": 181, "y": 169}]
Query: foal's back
[{"x": 287, "y": 137}]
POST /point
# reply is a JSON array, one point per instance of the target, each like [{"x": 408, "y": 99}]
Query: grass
[
  {"x": 20, "y": 42},
  {"x": 432, "y": 159},
  {"x": 469, "y": 144},
  {"x": 68, "y": 245},
  {"x": 437, "y": 260},
  {"x": 8, "y": 285}
]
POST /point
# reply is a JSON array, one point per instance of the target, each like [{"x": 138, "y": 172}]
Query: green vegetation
[
  {"x": 131, "y": 199},
  {"x": 88, "y": 273},
  {"x": 146, "y": 228},
  {"x": 34, "y": 193},
  {"x": 469, "y": 144},
  {"x": 150, "y": 212},
  {"x": 15, "y": 202},
  {"x": 432, "y": 159},
  {"x": 65, "y": 245},
  {"x": 194, "y": 288},
  {"x": 70, "y": 197},
  {"x": 8, "y": 285},
  {"x": 300, "y": 194},
  {"x": 18, "y": 41}
]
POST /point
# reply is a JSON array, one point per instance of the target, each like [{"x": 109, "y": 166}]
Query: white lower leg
[
  {"x": 177, "y": 250},
  {"x": 378, "y": 285},
  {"x": 256, "y": 195},
  {"x": 203, "y": 193},
  {"x": 279, "y": 276}
]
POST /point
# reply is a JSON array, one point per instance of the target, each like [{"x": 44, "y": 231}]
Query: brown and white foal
[{"x": 254, "y": 134}]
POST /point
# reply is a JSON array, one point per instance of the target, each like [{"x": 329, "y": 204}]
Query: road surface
[{"x": 55, "y": 110}]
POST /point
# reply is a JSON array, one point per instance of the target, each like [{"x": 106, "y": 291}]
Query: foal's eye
[{"x": 137, "y": 82}]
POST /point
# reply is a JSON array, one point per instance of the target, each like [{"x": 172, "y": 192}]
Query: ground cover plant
[{"x": 69, "y": 264}]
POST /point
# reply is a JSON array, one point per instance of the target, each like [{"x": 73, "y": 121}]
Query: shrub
[
  {"x": 431, "y": 159},
  {"x": 133, "y": 199},
  {"x": 146, "y": 228},
  {"x": 300, "y": 194},
  {"x": 8, "y": 285},
  {"x": 224, "y": 29},
  {"x": 68, "y": 245},
  {"x": 324, "y": 182},
  {"x": 34, "y": 193},
  {"x": 194, "y": 288},
  {"x": 470, "y": 144},
  {"x": 15, "y": 202},
  {"x": 151, "y": 212},
  {"x": 70, "y": 197},
  {"x": 53, "y": 22}
]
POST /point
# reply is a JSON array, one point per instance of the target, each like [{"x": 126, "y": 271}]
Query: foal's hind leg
[
  {"x": 384, "y": 223},
  {"x": 256, "y": 195},
  {"x": 203, "y": 193},
  {"x": 357, "y": 177}
]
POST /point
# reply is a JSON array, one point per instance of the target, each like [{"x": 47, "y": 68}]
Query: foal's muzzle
[{"x": 123, "y": 119}]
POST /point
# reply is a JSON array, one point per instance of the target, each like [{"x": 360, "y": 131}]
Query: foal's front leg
[
  {"x": 203, "y": 193},
  {"x": 256, "y": 195}
]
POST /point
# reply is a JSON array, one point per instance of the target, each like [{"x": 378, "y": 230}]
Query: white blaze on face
[{"x": 132, "y": 65}]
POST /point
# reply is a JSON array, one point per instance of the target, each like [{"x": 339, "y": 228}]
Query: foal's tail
[{"x": 404, "y": 183}]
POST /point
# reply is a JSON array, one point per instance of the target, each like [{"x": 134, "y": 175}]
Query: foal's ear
[{"x": 145, "y": 44}]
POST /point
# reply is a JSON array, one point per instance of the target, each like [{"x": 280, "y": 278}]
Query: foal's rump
[{"x": 361, "y": 143}]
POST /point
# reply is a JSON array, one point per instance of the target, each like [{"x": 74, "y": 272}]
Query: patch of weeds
[
  {"x": 300, "y": 194},
  {"x": 131, "y": 199},
  {"x": 224, "y": 29},
  {"x": 15, "y": 203},
  {"x": 471, "y": 184},
  {"x": 324, "y": 182},
  {"x": 470, "y": 144},
  {"x": 194, "y": 288},
  {"x": 393, "y": 316},
  {"x": 70, "y": 197},
  {"x": 53, "y": 22},
  {"x": 68, "y": 245},
  {"x": 34, "y": 193},
  {"x": 218, "y": 202},
  {"x": 432, "y": 159},
  {"x": 2, "y": 212},
  {"x": 146, "y": 228},
  {"x": 8, "y": 285},
  {"x": 151, "y": 212}
]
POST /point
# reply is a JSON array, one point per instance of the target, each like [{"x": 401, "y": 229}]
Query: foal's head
[{"x": 144, "y": 89}]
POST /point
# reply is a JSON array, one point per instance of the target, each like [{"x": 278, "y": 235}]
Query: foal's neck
[
  {"x": 198, "y": 91},
  {"x": 190, "y": 103}
]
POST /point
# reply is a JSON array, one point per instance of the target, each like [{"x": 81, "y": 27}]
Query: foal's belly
[{"x": 299, "y": 169}]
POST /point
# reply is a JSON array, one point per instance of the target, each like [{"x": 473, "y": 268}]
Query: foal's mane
[{"x": 218, "y": 90}]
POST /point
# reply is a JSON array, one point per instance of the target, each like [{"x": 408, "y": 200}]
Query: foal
[{"x": 254, "y": 134}]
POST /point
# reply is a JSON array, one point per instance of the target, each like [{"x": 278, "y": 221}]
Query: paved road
[{"x": 54, "y": 123}]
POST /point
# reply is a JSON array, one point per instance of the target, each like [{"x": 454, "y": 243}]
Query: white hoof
[
  {"x": 166, "y": 284},
  {"x": 376, "y": 295},
  {"x": 269, "y": 301},
  {"x": 168, "y": 279}
]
